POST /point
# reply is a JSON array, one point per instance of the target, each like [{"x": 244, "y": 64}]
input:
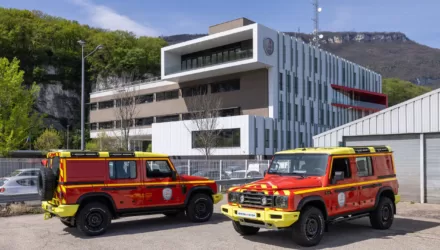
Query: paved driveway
[{"x": 158, "y": 232}]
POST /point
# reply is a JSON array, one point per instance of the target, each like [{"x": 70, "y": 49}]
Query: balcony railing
[
  {"x": 96, "y": 87},
  {"x": 237, "y": 56},
  {"x": 361, "y": 104}
]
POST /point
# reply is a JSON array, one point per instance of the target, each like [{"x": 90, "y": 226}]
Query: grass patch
[{"x": 16, "y": 209}]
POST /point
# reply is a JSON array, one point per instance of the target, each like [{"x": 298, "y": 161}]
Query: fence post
[
  {"x": 189, "y": 167},
  {"x": 220, "y": 167}
]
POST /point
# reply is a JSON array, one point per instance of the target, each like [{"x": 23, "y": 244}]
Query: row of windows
[
  {"x": 217, "y": 87},
  {"x": 128, "y": 169},
  {"x": 147, "y": 121},
  {"x": 221, "y": 138},
  {"x": 321, "y": 88}
]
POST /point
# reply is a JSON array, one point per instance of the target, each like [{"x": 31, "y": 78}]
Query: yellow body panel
[
  {"x": 217, "y": 198},
  {"x": 286, "y": 220},
  {"x": 396, "y": 198},
  {"x": 61, "y": 210}
]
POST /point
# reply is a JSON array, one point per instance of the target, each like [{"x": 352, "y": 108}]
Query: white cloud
[{"x": 104, "y": 17}]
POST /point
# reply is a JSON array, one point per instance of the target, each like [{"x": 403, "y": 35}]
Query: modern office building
[
  {"x": 276, "y": 93},
  {"x": 412, "y": 130}
]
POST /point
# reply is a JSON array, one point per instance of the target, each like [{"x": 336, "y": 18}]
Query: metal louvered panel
[
  {"x": 432, "y": 163},
  {"x": 406, "y": 150}
]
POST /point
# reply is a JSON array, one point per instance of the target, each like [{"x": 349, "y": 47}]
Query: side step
[{"x": 344, "y": 219}]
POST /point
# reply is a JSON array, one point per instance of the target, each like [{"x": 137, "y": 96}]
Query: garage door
[
  {"x": 432, "y": 161},
  {"x": 406, "y": 150}
]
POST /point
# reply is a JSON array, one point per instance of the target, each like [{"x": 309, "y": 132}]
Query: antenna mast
[{"x": 316, "y": 11}]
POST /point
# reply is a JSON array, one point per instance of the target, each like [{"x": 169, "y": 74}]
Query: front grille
[{"x": 254, "y": 199}]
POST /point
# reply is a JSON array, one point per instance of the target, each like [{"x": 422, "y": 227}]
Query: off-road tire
[
  {"x": 244, "y": 230},
  {"x": 383, "y": 216},
  {"x": 46, "y": 182},
  {"x": 309, "y": 229},
  {"x": 67, "y": 223},
  {"x": 200, "y": 208},
  {"x": 93, "y": 213}
]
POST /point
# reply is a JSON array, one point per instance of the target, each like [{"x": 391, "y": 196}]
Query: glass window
[
  {"x": 296, "y": 112},
  {"x": 127, "y": 123},
  {"x": 106, "y": 125},
  {"x": 193, "y": 91},
  {"x": 157, "y": 169},
  {"x": 145, "y": 99},
  {"x": 275, "y": 138},
  {"x": 168, "y": 118},
  {"x": 27, "y": 182},
  {"x": 289, "y": 139},
  {"x": 299, "y": 164},
  {"x": 225, "y": 86},
  {"x": 341, "y": 165},
  {"x": 289, "y": 111},
  {"x": 218, "y": 138},
  {"x": 309, "y": 89},
  {"x": 289, "y": 86},
  {"x": 266, "y": 138},
  {"x": 167, "y": 95},
  {"x": 93, "y": 106},
  {"x": 144, "y": 121},
  {"x": 122, "y": 169},
  {"x": 106, "y": 104},
  {"x": 364, "y": 166},
  {"x": 93, "y": 126},
  {"x": 256, "y": 137},
  {"x": 280, "y": 81},
  {"x": 280, "y": 110},
  {"x": 295, "y": 86}
]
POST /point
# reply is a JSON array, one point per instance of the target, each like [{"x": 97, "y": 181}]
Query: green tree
[
  {"x": 49, "y": 139},
  {"x": 103, "y": 143},
  {"x": 150, "y": 147},
  {"x": 17, "y": 118},
  {"x": 399, "y": 90}
]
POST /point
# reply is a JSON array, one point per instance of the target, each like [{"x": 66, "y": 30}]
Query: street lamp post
[{"x": 82, "y": 43}]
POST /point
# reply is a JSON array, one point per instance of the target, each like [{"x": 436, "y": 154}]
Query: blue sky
[{"x": 416, "y": 18}]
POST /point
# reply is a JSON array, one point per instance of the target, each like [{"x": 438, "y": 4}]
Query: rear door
[
  {"x": 161, "y": 189},
  {"x": 124, "y": 182},
  {"x": 365, "y": 174}
]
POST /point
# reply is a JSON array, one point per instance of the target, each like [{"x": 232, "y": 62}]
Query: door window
[
  {"x": 364, "y": 166},
  {"x": 122, "y": 169},
  {"x": 158, "y": 169},
  {"x": 341, "y": 165}
]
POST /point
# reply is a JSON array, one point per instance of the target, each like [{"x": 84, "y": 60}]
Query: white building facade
[
  {"x": 304, "y": 90},
  {"x": 412, "y": 130}
]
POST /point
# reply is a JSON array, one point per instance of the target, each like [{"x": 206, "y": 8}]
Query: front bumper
[
  {"x": 260, "y": 218},
  {"x": 59, "y": 211},
  {"x": 396, "y": 198},
  {"x": 216, "y": 198}
]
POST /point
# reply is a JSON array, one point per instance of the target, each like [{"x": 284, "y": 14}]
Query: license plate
[{"x": 247, "y": 214}]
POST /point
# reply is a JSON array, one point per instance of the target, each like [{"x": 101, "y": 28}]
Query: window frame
[{"x": 169, "y": 175}]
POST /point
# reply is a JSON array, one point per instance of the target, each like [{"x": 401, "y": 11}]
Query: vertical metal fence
[{"x": 9, "y": 165}]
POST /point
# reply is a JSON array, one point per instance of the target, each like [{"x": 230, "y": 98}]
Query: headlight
[
  {"x": 281, "y": 201},
  {"x": 233, "y": 197}
]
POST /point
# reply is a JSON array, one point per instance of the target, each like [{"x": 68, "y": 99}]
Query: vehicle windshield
[
  {"x": 299, "y": 164},
  {"x": 15, "y": 173}
]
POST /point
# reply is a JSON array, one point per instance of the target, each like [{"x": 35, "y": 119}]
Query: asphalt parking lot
[{"x": 158, "y": 232}]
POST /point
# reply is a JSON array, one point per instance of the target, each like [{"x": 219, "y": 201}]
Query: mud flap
[{"x": 47, "y": 216}]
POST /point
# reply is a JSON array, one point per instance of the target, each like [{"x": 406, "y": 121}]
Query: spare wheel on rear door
[{"x": 46, "y": 184}]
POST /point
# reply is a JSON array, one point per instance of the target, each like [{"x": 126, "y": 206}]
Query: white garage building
[{"x": 412, "y": 129}]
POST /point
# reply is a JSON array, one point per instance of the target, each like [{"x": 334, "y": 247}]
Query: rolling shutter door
[
  {"x": 406, "y": 150},
  {"x": 432, "y": 161}
]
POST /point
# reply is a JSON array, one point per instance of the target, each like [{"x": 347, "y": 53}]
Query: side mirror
[
  {"x": 339, "y": 175},
  {"x": 173, "y": 175},
  {"x": 265, "y": 172}
]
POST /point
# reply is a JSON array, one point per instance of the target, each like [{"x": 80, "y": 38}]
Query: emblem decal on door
[
  {"x": 167, "y": 193},
  {"x": 341, "y": 199}
]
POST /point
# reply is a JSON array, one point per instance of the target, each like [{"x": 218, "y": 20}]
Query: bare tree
[
  {"x": 126, "y": 109},
  {"x": 204, "y": 110}
]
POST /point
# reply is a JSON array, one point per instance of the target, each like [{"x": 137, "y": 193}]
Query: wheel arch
[
  {"x": 316, "y": 201},
  {"x": 385, "y": 192},
  {"x": 196, "y": 190},
  {"x": 97, "y": 197}
]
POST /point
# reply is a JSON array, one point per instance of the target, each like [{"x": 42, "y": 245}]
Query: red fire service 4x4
[
  {"x": 88, "y": 189},
  {"x": 307, "y": 189}
]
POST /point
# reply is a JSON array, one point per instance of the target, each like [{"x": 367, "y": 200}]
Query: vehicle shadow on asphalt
[
  {"x": 146, "y": 225},
  {"x": 345, "y": 233}
]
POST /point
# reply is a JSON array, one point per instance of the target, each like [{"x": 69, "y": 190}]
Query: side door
[
  {"x": 365, "y": 173},
  {"x": 124, "y": 183},
  {"x": 161, "y": 189},
  {"x": 344, "y": 193}
]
